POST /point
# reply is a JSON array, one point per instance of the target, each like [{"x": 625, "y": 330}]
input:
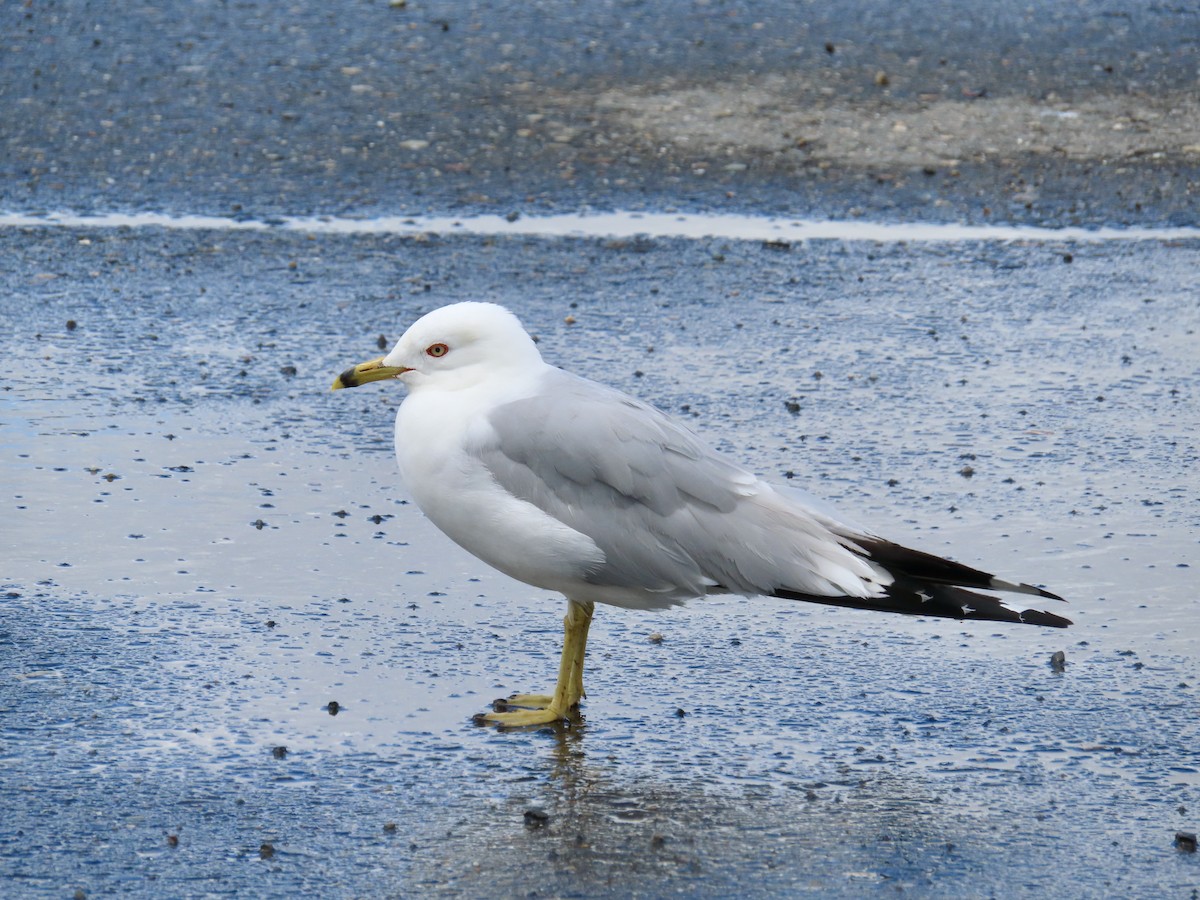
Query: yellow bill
[{"x": 364, "y": 373}]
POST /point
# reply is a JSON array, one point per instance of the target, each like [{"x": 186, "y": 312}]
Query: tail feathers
[{"x": 928, "y": 585}]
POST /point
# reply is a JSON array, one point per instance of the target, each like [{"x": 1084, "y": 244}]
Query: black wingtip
[
  {"x": 1043, "y": 618},
  {"x": 1002, "y": 586},
  {"x": 1042, "y": 592},
  {"x": 910, "y": 597}
]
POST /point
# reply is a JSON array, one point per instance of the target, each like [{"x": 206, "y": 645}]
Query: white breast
[{"x": 457, "y": 493}]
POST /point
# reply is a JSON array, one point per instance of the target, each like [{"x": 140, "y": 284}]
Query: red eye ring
[{"x": 437, "y": 350}]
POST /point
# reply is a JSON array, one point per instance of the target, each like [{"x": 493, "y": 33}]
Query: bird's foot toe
[
  {"x": 523, "y": 701},
  {"x": 523, "y": 711}
]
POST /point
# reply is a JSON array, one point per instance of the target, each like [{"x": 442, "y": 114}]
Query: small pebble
[{"x": 536, "y": 817}]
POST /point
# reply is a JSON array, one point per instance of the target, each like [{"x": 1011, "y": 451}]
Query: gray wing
[{"x": 672, "y": 517}]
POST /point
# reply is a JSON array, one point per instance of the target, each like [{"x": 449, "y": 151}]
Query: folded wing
[{"x": 676, "y": 520}]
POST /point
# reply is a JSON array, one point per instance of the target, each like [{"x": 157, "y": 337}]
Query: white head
[{"x": 454, "y": 346}]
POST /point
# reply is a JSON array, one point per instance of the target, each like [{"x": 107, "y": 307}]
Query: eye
[{"x": 436, "y": 350}]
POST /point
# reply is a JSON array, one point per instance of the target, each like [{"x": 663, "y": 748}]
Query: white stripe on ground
[{"x": 619, "y": 224}]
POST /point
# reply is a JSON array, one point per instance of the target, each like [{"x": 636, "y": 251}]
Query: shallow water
[{"x": 252, "y": 558}]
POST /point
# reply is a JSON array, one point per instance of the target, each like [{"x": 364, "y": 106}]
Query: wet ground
[
  {"x": 235, "y": 661},
  {"x": 960, "y": 110},
  {"x": 209, "y": 548}
]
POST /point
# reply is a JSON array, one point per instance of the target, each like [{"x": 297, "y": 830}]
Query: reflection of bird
[{"x": 574, "y": 487}]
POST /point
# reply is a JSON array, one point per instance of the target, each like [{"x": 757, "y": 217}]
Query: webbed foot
[{"x": 527, "y": 710}]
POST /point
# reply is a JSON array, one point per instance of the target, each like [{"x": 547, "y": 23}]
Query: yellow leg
[{"x": 540, "y": 709}]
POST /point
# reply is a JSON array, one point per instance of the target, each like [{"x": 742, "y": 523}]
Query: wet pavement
[
  {"x": 209, "y": 548},
  {"x": 958, "y": 110},
  {"x": 235, "y": 661}
]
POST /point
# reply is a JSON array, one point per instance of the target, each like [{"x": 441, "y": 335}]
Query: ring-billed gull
[{"x": 574, "y": 487}]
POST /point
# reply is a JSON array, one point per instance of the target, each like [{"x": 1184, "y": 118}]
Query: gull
[{"x": 577, "y": 488}]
